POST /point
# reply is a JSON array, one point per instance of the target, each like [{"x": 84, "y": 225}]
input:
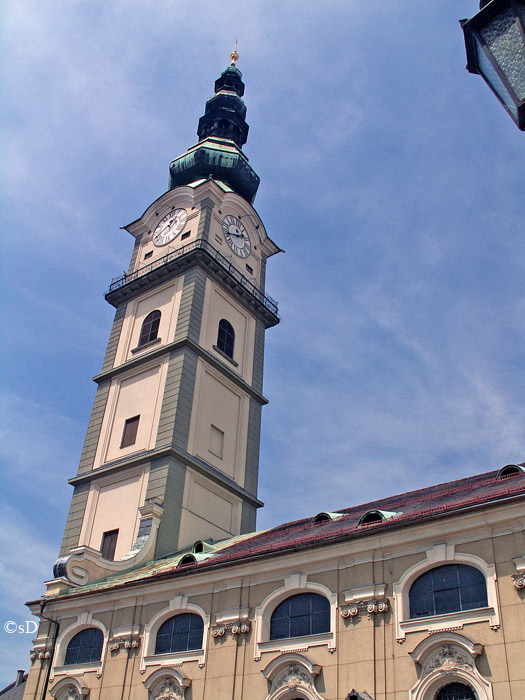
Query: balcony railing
[{"x": 211, "y": 252}]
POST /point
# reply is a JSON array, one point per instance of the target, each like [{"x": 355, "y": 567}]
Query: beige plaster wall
[
  {"x": 209, "y": 511},
  {"x": 166, "y": 299},
  {"x": 137, "y": 392},
  {"x": 219, "y": 406},
  {"x": 219, "y": 305},
  {"x": 113, "y": 504},
  {"x": 367, "y": 655}
]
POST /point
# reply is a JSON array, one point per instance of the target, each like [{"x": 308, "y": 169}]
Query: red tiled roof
[{"x": 410, "y": 509}]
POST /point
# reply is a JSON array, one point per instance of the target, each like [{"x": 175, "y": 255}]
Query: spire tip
[{"x": 234, "y": 55}]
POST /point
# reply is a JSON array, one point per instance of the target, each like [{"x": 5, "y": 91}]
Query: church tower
[{"x": 170, "y": 459}]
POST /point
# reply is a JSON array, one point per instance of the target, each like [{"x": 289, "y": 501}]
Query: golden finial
[{"x": 234, "y": 55}]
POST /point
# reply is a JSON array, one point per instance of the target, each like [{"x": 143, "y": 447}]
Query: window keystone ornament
[
  {"x": 448, "y": 657},
  {"x": 292, "y": 672},
  {"x": 167, "y": 684},
  {"x": 69, "y": 689}
]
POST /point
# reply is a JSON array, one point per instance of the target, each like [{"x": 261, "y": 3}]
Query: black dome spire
[
  {"x": 222, "y": 132},
  {"x": 225, "y": 113}
]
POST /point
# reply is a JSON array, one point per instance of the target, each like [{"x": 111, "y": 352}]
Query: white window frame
[
  {"x": 84, "y": 621},
  {"x": 439, "y": 555},
  {"x": 178, "y": 604},
  {"x": 293, "y": 584}
]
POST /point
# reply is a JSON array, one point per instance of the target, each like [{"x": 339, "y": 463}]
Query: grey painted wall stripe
[
  {"x": 93, "y": 432},
  {"x": 74, "y": 518},
  {"x": 248, "y": 518},
  {"x": 191, "y": 305},
  {"x": 252, "y": 448},
  {"x": 136, "y": 249},
  {"x": 263, "y": 273},
  {"x": 167, "y": 485},
  {"x": 207, "y": 205},
  {"x": 114, "y": 337},
  {"x": 175, "y": 416},
  {"x": 258, "y": 357}
]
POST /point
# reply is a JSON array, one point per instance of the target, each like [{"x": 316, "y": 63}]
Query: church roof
[{"x": 395, "y": 512}]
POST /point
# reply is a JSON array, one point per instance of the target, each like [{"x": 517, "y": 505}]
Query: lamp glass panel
[
  {"x": 493, "y": 79},
  {"x": 505, "y": 41}
]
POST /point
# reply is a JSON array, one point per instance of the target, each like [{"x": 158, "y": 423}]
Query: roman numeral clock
[{"x": 236, "y": 236}]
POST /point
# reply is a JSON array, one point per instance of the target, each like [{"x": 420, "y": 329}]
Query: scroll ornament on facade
[
  {"x": 233, "y": 628},
  {"x": 132, "y": 642},
  {"x": 519, "y": 582},
  {"x": 372, "y": 607}
]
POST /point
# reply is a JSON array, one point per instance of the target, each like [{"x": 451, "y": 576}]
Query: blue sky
[{"x": 392, "y": 178}]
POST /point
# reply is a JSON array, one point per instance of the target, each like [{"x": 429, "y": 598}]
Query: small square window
[
  {"x": 216, "y": 441},
  {"x": 109, "y": 544},
  {"x": 249, "y": 268},
  {"x": 148, "y": 255},
  {"x": 129, "y": 434},
  {"x": 185, "y": 235}
]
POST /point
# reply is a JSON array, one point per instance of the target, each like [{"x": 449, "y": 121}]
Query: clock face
[
  {"x": 236, "y": 236},
  {"x": 169, "y": 227}
]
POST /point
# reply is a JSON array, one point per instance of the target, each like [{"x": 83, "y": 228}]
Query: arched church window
[
  {"x": 226, "y": 337},
  {"x": 447, "y": 589},
  {"x": 300, "y": 615},
  {"x": 85, "y": 647},
  {"x": 181, "y": 632},
  {"x": 150, "y": 327},
  {"x": 455, "y": 691}
]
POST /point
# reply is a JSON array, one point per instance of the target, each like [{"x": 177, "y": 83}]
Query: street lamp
[{"x": 495, "y": 43}]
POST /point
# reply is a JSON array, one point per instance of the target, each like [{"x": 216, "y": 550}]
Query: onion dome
[{"x": 222, "y": 133}]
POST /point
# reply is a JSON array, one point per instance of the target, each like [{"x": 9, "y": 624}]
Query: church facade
[{"x": 165, "y": 590}]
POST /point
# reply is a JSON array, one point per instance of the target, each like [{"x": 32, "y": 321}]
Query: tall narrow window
[
  {"x": 85, "y": 647},
  {"x": 129, "y": 434},
  {"x": 150, "y": 328},
  {"x": 109, "y": 544},
  {"x": 226, "y": 337},
  {"x": 446, "y": 589},
  {"x": 300, "y": 615},
  {"x": 180, "y": 633}
]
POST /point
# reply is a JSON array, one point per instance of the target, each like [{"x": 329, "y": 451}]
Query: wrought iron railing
[{"x": 213, "y": 253}]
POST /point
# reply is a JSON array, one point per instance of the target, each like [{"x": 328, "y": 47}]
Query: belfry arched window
[
  {"x": 85, "y": 647},
  {"x": 181, "y": 632},
  {"x": 226, "y": 337},
  {"x": 446, "y": 589},
  {"x": 300, "y": 615},
  {"x": 455, "y": 691},
  {"x": 150, "y": 327}
]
